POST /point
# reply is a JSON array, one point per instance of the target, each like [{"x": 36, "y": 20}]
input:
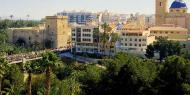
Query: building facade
[
  {"x": 134, "y": 41},
  {"x": 26, "y": 35},
  {"x": 176, "y": 15},
  {"x": 78, "y": 17},
  {"x": 172, "y": 23},
  {"x": 170, "y": 32},
  {"x": 54, "y": 33},
  {"x": 85, "y": 38}
]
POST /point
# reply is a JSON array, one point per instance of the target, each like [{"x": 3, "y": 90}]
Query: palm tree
[
  {"x": 27, "y": 16},
  {"x": 49, "y": 61},
  {"x": 11, "y": 16},
  {"x": 114, "y": 38},
  {"x": 3, "y": 67},
  {"x": 96, "y": 36},
  {"x": 104, "y": 37},
  {"x": 31, "y": 67}
]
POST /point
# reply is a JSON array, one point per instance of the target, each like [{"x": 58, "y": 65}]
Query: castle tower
[
  {"x": 57, "y": 31},
  {"x": 161, "y": 10}
]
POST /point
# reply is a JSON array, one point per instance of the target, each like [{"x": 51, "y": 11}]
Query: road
[{"x": 79, "y": 58}]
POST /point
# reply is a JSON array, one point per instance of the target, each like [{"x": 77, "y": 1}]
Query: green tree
[
  {"x": 3, "y": 70},
  {"x": 150, "y": 51},
  {"x": 104, "y": 37},
  {"x": 165, "y": 48},
  {"x": 31, "y": 67},
  {"x": 174, "y": 77},
  {"x": 13, "y": 81},
  {"x": 90, "y": 78},
  {"x": 48, "y": 62},
  {"x": 3, "y": 31},
  {"x": 114, "y": 39},
  {"x": 138, "y": 75}
]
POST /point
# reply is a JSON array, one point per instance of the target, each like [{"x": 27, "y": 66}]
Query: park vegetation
[{"x": 123, "y": 74}]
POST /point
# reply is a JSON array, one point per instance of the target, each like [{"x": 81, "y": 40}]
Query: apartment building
[
  {"x": 134, "y": 41},
  {"x": 78, "y": 17},
  {"x": 85, "y": 38}
]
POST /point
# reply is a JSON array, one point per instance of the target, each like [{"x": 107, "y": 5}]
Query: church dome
[{"x": 178, "y": 4}]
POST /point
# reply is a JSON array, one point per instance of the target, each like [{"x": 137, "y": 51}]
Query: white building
[
  {"x": 85, "y": 38},
  {"x": 134, "y": 41}
]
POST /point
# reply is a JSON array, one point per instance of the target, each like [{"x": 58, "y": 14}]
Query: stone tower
[
  {"x": 161, "y": 10},
  {"x": 57, "y": 31}
]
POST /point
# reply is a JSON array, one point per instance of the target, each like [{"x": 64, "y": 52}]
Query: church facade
[{"x": 176, "y": 14}]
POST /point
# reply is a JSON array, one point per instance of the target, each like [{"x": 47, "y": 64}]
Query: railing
[
  {"x": 18, "y": 58},
  {"x": 23, "y": 57}
]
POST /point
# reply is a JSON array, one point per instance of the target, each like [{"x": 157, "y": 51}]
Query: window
[
  {"x": 86, "y": 39},
  {"x": 125, "y": 44},
  {"x": 135, "y": 44},
  {"x": 86, "y": 35},
  {"x": 86, "y": 30},
  {"x": 139, "y": 45},
  {"x": 73, "y": 39},
  {"x": 144, "y": 39},
  {"x": 139, "y": 40},
  {"x": 131, "y": 44},
  {"x": 126, "y": 39},
  {"x": 73, "y": 30},
  {"x": 130, "y": 39},
  {"x": 160, "y": 4},
  {"x": 73, "y": 34},
  {"x": 136, "y": 39}
]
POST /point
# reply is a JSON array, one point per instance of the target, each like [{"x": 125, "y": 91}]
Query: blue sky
[{"x": 39, "y": 8}]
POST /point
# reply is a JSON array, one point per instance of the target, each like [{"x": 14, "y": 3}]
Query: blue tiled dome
[{"x": 178, "y": 4}]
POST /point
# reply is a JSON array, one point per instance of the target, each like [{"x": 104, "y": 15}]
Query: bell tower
[{"x": 161, "y": 10}]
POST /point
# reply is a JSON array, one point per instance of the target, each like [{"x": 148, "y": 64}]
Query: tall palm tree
[
  {"x": 49, "y": 61},
  {"x": 27, "y": 16},
  {"x": 11, "y": 16},
  {"x": 105, "y": 36},
  {"x": 96, "y": 36},
  {"x": 31, "y": 67},
  {"x": 114, "y": 38},
  {"x": 3, "y": 68}
]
